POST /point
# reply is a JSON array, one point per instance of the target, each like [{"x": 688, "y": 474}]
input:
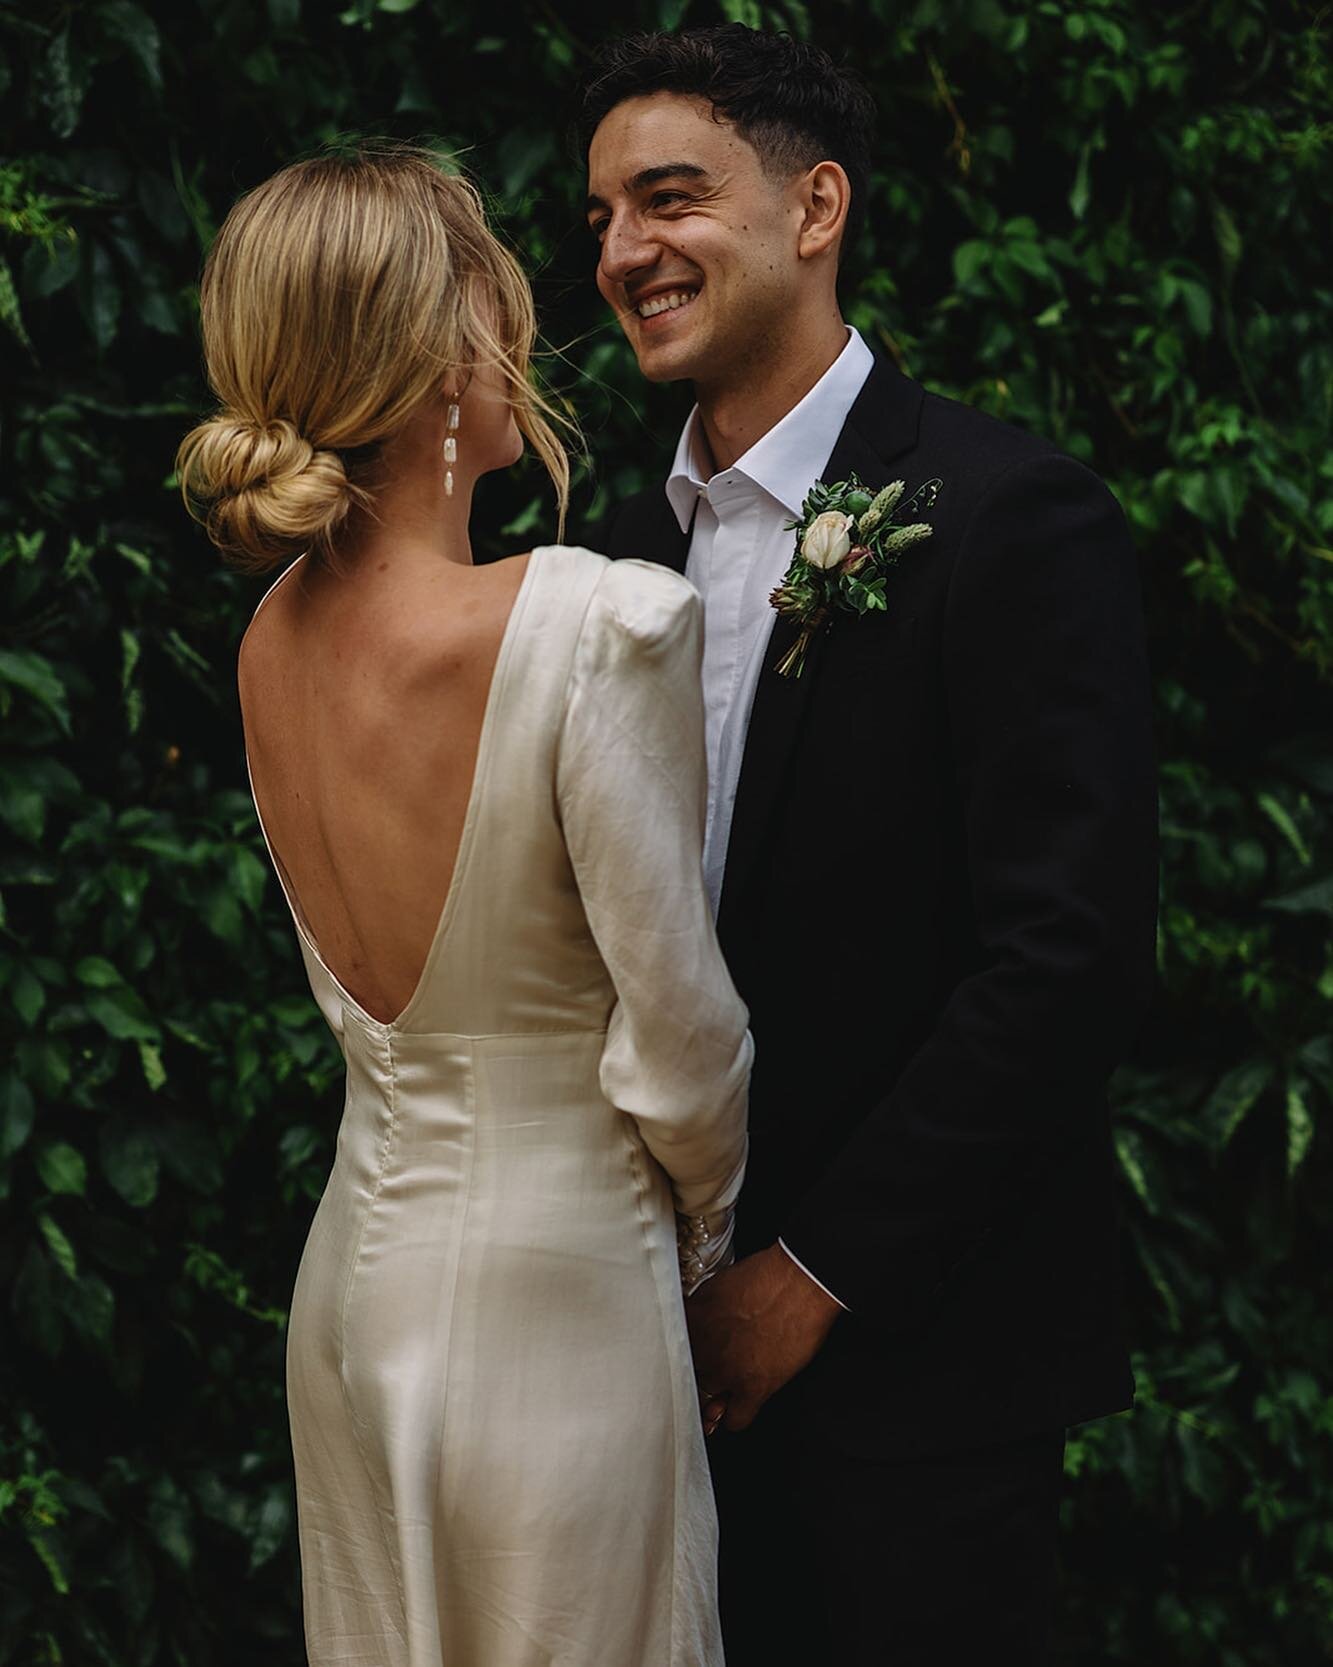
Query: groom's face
[{"x": 698, "y": 245}]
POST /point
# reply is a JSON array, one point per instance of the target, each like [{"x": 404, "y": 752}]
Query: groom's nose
[{"x": 626, "y": 249}]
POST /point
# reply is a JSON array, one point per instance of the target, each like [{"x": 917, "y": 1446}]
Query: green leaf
[
  {"x": 1229, "y": 243},
  {"x": 190, "y": 1154},
  {"x": 132, "y": 26},
  {"x": 970, "y": 259},
  {"x": 160, "y": 201},
  {"x": 17, "y": 1113},
  {"x": 62, "y": 1169},
  {"x": 122, "y": 1015},
  {"x": 1232, "y": 1099},
  {"x": 1030, "y": 257},
  {"x": 1281, "y": 818},
  {"x": 27, "y": 995},
  {"x": 99, "y": 297},
  {"x": 129, "y": 1162},
  {"x": 91, "y": 1308},
  {"x": 49, "y": 267},
  {"x": 11, "y": 315},
  {"x": 249, "y": 876},
  {"x": 1300, "y": 1124},
  {"x": 1316, "y": 898},
  {"x": 1141, "y": 1170},
  {"x": 154, "y": 1072},
  {"x": 59, "y": 93},
  {"x": 1151, "y": 1264},
  {"x": 23, "y": 807},
  {"x": 170, "y": 1519},
  {"x": 1080, "y": 193},
  {"x": 58, "y": 1244},
  {"x": 36, "y": 676},
  {"x": 1198, "y": 306},
  {"x": 222, "y": 914},
  {"x": 97, "y": 973},
  {"x": 189, "y": 1036},
  {"x": 50, "y": 1554},
  {"x": 272, "y": 1525},
  {"x": 35, "y": 1298}
]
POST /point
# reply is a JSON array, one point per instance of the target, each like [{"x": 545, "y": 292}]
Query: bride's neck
[{"x": 412, "y": 518}]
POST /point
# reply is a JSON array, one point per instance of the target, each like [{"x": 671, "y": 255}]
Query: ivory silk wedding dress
[{"x": 499, "y": 1460}]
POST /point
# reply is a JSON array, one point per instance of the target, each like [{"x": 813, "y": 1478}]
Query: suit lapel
[{"x": 882, "y": 424}]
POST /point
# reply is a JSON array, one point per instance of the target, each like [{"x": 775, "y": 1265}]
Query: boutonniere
[{"x": 847, "y": 542}]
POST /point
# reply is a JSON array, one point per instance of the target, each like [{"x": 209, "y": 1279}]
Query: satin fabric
[{"x": 499, "y": 1460}]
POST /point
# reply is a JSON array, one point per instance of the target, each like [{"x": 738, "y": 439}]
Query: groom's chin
[
  {"x": 665, "y": 366},
  {"x": 665, "y": 373}
]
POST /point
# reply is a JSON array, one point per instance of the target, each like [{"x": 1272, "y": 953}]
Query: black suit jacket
[{"x": 939, "y": 905}]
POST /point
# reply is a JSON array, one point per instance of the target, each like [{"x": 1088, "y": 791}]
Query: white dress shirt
[{"x": 739, "y": 552}]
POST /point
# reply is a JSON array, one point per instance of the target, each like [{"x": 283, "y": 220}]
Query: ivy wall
[{"x": 1104, "y": 220}]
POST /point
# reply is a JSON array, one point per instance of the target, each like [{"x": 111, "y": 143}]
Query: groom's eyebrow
[{"x": 651, "y": 176}]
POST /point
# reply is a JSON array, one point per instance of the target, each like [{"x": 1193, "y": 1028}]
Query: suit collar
[{"x": 884, "y": 421}]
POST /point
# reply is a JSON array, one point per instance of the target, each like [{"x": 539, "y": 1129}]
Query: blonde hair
[{"x": 339, "y": 297}]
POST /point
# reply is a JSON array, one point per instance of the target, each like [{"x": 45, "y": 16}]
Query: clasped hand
[{"x": 753, "y": 1327}]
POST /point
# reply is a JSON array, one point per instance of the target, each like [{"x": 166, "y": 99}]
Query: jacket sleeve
[
  {"x": 631, "y": 785},
  {"x": 1046, "y": 684}
]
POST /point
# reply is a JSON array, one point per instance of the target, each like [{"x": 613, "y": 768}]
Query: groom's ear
[{"x": 826, "y": 196}]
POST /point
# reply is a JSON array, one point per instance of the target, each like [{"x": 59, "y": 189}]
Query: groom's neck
[{"x": 757, "y": 395}]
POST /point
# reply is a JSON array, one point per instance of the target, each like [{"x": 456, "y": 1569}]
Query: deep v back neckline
[{"x": 466, "y": 838}]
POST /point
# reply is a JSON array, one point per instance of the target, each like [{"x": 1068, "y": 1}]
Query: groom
[{"x": 934, "y": 859}]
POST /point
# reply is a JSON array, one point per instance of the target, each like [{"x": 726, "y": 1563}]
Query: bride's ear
[{"x": 826, "y": 196}]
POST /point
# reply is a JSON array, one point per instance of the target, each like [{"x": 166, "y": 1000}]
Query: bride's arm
[{"x": 632, "y": 787}]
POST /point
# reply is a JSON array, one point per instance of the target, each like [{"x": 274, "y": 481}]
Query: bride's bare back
[{"x": 363, "y": 697}]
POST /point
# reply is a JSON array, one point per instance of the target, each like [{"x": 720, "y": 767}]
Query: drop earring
[{"x": 450, "y": 447}]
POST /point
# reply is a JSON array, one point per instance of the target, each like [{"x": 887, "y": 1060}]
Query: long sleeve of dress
[{"x": 632, "y": 783}]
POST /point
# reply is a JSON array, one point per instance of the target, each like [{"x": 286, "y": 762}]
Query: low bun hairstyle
[
  {"x": 339, "y": 297},
  {"x": 262, "y": 492}
]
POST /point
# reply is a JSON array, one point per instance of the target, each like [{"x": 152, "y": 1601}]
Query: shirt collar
[
  {"x": 686, "y": 480},
  {"x": 787, "y": 461}
]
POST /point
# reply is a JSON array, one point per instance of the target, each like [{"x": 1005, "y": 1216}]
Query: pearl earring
[{"x": 450, "y": 447}]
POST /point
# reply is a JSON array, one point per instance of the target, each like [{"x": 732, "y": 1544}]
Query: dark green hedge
[{"x": 1106, "y": 220}]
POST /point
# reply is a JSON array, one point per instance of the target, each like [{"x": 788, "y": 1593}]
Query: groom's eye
[
  {"x": 598, "y": 228},
  {"x": 664, "y": 199}
]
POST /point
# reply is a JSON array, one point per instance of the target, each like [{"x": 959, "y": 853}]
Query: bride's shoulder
[{"x": 639, "y": 599}]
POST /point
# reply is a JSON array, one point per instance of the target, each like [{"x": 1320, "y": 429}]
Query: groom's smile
[
  {"x": 662, "y": 301},
  {"x": 659, "y": 308}
]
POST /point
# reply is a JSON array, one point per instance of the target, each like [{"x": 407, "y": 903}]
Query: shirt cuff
[{"x": 823, "y": 1287}]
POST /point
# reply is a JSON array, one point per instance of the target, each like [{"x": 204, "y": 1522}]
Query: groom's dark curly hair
[{"x": 790, "y": 101}]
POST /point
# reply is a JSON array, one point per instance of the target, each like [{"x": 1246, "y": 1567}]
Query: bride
[{"x": 482, "y": 790}]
